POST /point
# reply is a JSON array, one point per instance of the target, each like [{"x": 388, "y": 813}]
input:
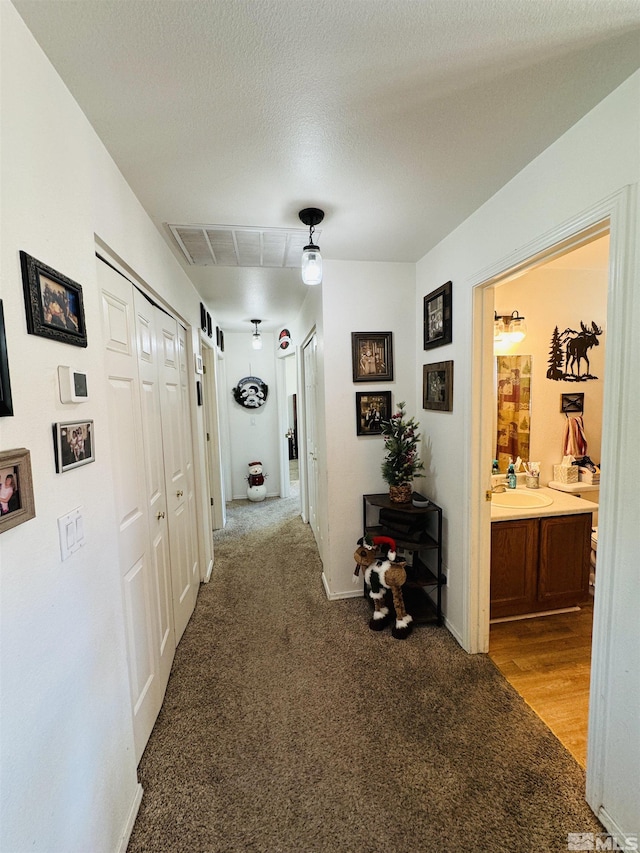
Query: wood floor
[{"x": 548, "y": 661}]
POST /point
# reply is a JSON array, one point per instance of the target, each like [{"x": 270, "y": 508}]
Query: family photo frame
[
  {"x": 372, "y": 407},
  {"x": 73, "y": 444},
  {"x": 437, "y": 321},
  {"x": 53, "y": 303},
  {"x": 16, "y": 488},
  {"x": 437, "y": 386},
  {"x": 372, "y": 356}
]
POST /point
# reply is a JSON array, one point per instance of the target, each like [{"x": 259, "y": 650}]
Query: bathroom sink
[{"x": 520, "y": 498}]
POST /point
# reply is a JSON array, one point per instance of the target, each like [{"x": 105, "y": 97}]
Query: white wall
[
  {"x": 359, "y": 297},
  {"x": 253, "y": 433},
  {"x": 599, "y": 156},
  {"x": 68, "y": 767}
]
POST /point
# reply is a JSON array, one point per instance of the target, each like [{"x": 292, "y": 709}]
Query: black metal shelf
[{"x": 422, "y": 576}]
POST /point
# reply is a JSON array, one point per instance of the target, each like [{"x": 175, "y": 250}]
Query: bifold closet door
[
  {"x": 178, "y": 469},
  {"x": 139, "y": 497}
]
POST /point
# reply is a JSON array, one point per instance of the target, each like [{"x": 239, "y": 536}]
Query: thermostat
[{"x": 73, "y": 385}]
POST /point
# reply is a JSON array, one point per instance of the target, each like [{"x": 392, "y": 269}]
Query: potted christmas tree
[{"x": 401, "y": 462}]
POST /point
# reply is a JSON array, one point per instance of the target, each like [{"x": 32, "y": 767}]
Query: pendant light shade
[
  {"x": 509, "y": 328},
  {"x": 256, "y": 338},
  {"x": 517, "y": 328},
  {"x": 311, "y": 257}
]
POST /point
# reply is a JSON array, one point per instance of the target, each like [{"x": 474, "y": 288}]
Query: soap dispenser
[
  {"x": 511, "y": 476},
  {"x": 495, "y": 468}
]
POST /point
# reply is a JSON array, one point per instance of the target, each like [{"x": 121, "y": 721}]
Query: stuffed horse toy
[{"x": 380, "y": 575}]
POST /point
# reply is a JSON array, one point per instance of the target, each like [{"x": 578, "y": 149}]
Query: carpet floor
[{"x": 289, "y": 727}]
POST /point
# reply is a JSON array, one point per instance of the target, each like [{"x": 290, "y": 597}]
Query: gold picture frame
[{"x": 16, "y": 488}]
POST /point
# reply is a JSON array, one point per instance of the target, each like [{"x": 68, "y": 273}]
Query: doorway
[
  {"x": 547, "y": 659},
  {"x": 310, "y": 492},
  {"x": 291, "y": 434}
]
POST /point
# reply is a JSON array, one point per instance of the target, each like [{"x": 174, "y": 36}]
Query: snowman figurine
[{"x": 256, "y": 491}]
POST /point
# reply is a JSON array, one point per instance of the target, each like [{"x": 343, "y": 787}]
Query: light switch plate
[{"x": 71, "y": 531}]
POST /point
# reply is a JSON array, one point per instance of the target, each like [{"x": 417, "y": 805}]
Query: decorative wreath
[{"x": 251, "y": 392}]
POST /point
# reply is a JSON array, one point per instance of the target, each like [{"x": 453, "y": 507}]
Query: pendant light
[
  {"x": 311, "y": 257},
  {"x": 256, "y": 339}
]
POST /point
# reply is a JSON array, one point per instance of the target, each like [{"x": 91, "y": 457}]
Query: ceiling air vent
[{"x": 231, "y": 246}]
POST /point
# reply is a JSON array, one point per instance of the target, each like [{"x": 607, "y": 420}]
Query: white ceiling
[{"x": 396, "y": 117}]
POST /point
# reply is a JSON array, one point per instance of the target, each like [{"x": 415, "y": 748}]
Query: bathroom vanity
[{"x": 539, "y": 553}]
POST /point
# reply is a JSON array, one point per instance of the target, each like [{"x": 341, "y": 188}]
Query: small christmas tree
[
  {"x": 556, "y": 357},
  {"x": 401, "y": 438}
]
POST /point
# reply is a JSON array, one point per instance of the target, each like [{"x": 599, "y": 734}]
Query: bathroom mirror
[{"x": 513, "y": 379}]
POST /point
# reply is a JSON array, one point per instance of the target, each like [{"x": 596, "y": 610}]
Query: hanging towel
[{"x": 575, "y": 441}]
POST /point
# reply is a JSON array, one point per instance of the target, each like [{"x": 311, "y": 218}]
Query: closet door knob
[
  {"x": 160, "y": 515},
  {"x": 179, "y": 493}
]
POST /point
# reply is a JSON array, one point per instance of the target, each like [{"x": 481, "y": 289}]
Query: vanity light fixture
[
  {"x": 256, "y": 339},
  {"x": 509, "y": 328},
  {"x": 311, "y": 257}
]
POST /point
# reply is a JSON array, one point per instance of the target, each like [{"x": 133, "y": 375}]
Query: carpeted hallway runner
[{"x": 289, "y": 727}]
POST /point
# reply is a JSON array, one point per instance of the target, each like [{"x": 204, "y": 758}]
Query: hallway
[{"x": 286, "y": 721}]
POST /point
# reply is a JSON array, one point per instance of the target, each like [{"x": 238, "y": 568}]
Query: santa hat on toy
[{"x": 387, "y": 546}]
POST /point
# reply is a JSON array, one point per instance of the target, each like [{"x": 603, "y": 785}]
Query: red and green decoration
[{"x": 401, "y": 438}]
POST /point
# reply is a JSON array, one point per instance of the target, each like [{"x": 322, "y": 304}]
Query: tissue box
[{"x": 565, "y": 473}]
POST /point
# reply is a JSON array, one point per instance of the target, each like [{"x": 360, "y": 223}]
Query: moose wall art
[{"x": 569, "y": 353}]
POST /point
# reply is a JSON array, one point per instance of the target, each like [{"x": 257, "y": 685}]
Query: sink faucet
[{"x": 499, "y": 487}]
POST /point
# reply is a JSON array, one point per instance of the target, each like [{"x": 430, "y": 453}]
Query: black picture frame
[
  {"x": 73, "y": 444},
  {"x": 372, "y": 356},
  {"x": 198, "y": 392},
  {"x": 6, "y": 402},
  {"x": 53, "y": 303},
  {"x": 221, "y": 341},
  {"x": 437, "y": 386},
  {"x": 372, "y": 407},
  {"x": 203, "y": 317},
  {"x": 437, "y": 317},
  {"x": 209, "y": 326},
  {"x": 20, "y": 505}
]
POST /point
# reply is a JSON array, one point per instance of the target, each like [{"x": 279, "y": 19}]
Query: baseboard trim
[
  {"x": 207, "y": 576},
  {"x": 534, "y": 615},
  {"x": 131, "y": 819},
  {"x": 454, "y": 633},
  {"x": 624, "y": 840},
  {"x": 336, "y": 596}
]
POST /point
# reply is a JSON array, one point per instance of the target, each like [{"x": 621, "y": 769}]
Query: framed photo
[
  {"x": 209, "y": 326},
  {"x": 437, "y": 317},
  {"x": 372, "y": 356},
  {"x": 221, "y": 341},
  {"x": 16, "y": 488},
  {"x": 203, "y": 317},
  {"x": 53, "y": 303},
  {"x": 6, "y": 404},
  {"x": 372, "y": 407},
  {"x": 73, "y": 444},
  {"x": 437, "y": 386}
]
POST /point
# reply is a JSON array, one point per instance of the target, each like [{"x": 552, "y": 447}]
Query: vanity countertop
[{"x": 562, "y": 504}]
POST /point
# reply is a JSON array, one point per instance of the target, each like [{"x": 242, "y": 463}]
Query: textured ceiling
[{"x": 397, "y": 117}]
